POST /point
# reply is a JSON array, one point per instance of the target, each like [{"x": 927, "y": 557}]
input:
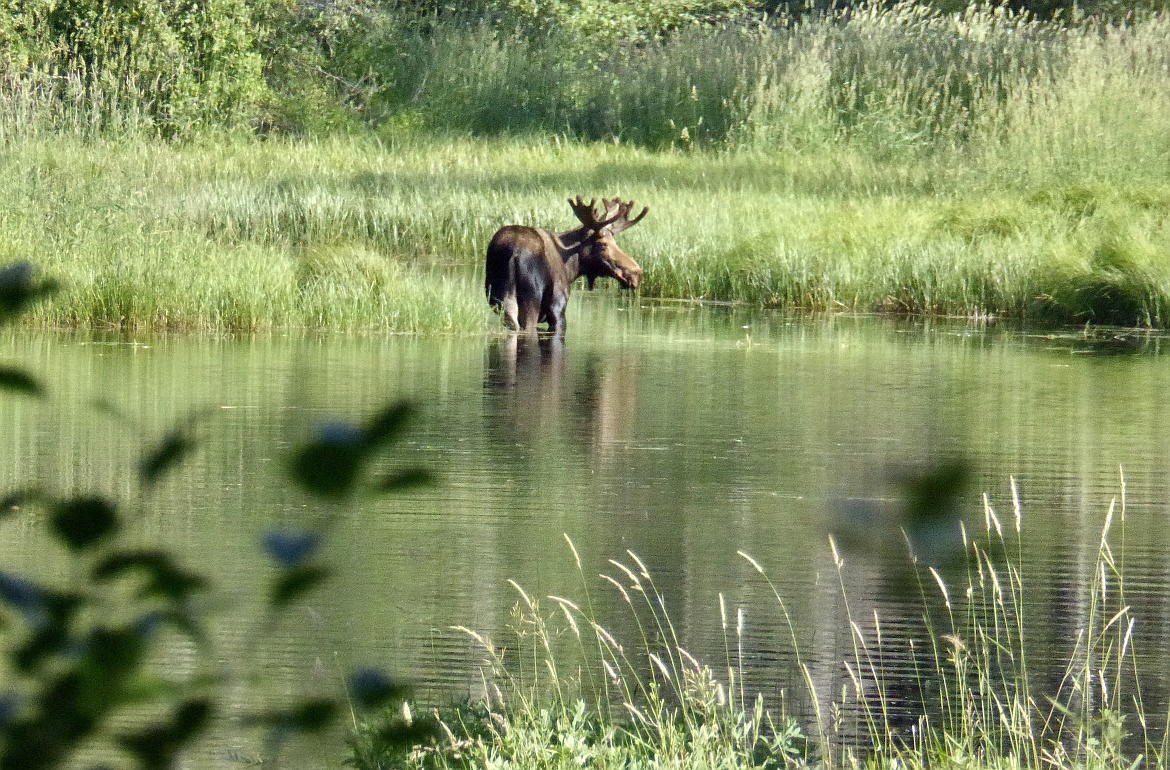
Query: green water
[{"x": 680, "y": 433}]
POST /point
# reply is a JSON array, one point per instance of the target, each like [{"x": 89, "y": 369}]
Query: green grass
[
  {"x": 358, "y": 234},
  {"x": 891, "y": 160},
  {"x": 561, "y": 691}
]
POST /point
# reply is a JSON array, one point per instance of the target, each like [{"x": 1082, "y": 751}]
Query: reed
[{"x": 562, "y": 691}]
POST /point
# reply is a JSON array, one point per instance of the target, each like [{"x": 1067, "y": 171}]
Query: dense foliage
[{"x": 582, "y": 67}]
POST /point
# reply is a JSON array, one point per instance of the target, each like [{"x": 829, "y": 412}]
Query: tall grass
[
  {"x": 564, "y": 692},
  {"x": 897, "y": 77},
  {"x": 886, "y": 159},
  {"x": 360, "y": 234}
]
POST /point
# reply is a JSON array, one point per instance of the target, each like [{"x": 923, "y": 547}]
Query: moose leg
[
  {"x": 511, "y": 312},
  {"x": 529, "y": 315},
  {"x": 556, "y": 316}
]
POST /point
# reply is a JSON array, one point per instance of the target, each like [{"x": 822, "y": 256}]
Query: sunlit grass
[
  {"x": 893, "y": 160},
  {"x": 357, "y": 234}
]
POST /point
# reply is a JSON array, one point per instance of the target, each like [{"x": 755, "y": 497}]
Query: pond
[{"x": 682, "y": 434}]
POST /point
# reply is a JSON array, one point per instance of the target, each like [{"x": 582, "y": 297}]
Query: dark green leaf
[
  {"x": 411, "y": 478},
  {"x": 83, "y": 521},
  {"x": 19, "y": 288},
  {"x": 311, "y": 715},
  {"x": 158, "y": 745},
  {"x": 175, "y": 446},
  {"x": 384, "y": 427},
  {"x": 403, "y": 735},
  {"x": 930, "y": 492},
  {"x": 109, "y": 658},
  {"x": 46, "y": 642},
  {"x": 372, "y": 688},
  {"x": 20, "y": 381},
  {"x": 327, "y": 469},
  {"x": 291, "y": 547},
  {"x": 49, "y": 733},
  {"x": 164, "y": 577},
  {"x": 295, "y": 583},
  {"x": 16, "y": 500},
  {"x": 51, "y": 624}
]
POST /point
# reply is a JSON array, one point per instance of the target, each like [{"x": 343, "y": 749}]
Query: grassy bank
[
  {"x": 891, "y": 160},
  {"x": 956, "y": 686},
  {"x": 364, "y": 234}
]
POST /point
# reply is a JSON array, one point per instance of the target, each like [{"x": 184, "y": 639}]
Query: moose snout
[{"x": 631, "y": 278}]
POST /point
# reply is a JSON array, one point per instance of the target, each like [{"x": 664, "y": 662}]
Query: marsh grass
[
  {"x": 562, "y": 691},
  {"x": 892, "y": 159},
  {"x": 354, "y": 234}
]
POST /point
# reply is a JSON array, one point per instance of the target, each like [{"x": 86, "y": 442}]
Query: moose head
[{"x": 599, "y": 254}]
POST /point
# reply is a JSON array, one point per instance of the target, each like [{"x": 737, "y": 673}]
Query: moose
[{"x": 530, "y": 269}]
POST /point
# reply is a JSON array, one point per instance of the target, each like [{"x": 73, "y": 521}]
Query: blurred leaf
[
  {"x": 25, "y": 596},
  {"x": 411, "y": 478},
  {"x": 327, "y": 469},
  {"x": 20, "y": 381},
  {"x": 312, "y": 715},
  {"x": 402, "y": 735},
  {"x": 50, "y": 625},
  {"x": 295, "y": 583},
  {"x": 175, "y": 446},
  {"x": 47, "y": 641},
  {"x": 158, "y": 745},
  {"x": 340, "y": 433},
  {"x": 164, "y": 577},
  {"x": 47, "y": 734},
  {"x": 112, "y": 655},
  {"x": 9, "y": 707},
  {"x": 83, "y": 521},
  {"x": 16, "y": 500},
  {"x": 109, "y": 409},
  {"x": 372, "y": 688},
  {"x": 930, "y": 493},
  {"x": 291, "y": 547},
  {"x": 19, "y": 288},
  {"x": 384, "y": 427},
  {"x": 331, "y": 464}
]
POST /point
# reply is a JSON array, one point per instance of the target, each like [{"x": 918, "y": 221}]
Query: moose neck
[
  {"x": 569, "y": 250},
  {"x": 572, "y": 264}
]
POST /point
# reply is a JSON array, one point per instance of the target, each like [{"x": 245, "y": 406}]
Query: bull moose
[{"x": 530, "y": 269}]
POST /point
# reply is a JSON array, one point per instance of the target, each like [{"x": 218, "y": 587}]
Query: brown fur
[{"x": 530, "y": 270}]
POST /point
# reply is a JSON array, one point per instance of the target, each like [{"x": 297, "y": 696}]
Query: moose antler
[
  {"x": 587, "y": 213},
  {"x": 620, "y": 211}
]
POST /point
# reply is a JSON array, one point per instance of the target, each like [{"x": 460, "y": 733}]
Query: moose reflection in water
[
  {"x": 530, "y": 269},
  {"x": 535, "y": 393}
]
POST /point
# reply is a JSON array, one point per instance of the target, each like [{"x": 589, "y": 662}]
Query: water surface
[{"x": 682, "y": 434}]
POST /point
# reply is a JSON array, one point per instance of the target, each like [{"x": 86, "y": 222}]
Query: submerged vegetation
[
  {"x": 563, "y": 691},
  {"x": 892, "y": 159}
]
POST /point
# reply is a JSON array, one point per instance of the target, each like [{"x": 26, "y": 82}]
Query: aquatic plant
[{"x": 563, "y": 691}]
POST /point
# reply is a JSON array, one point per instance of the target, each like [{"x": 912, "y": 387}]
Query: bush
[{"x": 184, "y": 66}]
